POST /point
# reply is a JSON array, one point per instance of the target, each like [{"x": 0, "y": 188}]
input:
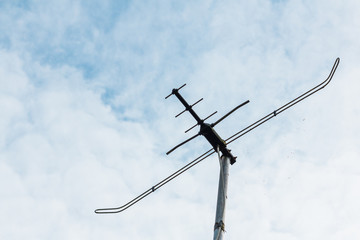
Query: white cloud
[{"x": 84, "y": 123}]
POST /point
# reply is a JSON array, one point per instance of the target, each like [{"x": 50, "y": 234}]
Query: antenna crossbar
[
  {"x": 285, "y": 106},
  {"x": 156, "y": 186}
]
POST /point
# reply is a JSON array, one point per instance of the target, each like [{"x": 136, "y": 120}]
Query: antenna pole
[{"x": 219, "y": 227}]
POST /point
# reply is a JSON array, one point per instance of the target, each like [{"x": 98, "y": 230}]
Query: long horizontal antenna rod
[
  {"x": 286, "y": 106},
  {"x": 156, "y": 186}
]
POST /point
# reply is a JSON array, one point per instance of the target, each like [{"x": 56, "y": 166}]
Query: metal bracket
[{"x": 220, "y": 224}]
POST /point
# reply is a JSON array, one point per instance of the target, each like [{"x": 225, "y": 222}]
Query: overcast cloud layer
[{"x": 84, "y": 123}]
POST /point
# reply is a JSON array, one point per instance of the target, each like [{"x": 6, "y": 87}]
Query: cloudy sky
[{"x": 84, "y": 123}]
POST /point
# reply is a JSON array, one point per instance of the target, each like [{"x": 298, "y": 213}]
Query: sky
[{"x": 84, "y": 123}]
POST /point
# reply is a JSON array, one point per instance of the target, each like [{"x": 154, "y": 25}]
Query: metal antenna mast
[
  {"x": 219, "y": 226},
  {"x": 218, "y": 145}
]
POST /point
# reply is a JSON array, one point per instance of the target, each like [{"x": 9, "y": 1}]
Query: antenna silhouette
[
  {"x": 218, "y": 145},
  {"x": 206, "y": 130}
]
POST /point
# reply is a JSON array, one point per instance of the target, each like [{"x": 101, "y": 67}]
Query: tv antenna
[{"x": 219, "y": 146}]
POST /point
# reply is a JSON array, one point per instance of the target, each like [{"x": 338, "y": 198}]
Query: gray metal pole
[{"x": 219, "y": 227}]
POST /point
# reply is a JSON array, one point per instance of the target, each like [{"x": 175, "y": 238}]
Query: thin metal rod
[
  {"x": 226, "y": 115},
  {"x": 181, "y": 113},
  {"x": 286, "y": 106},
  {"x": 175, "y": 89},
  {"x": 219, "y": 227},
  {"x": 210, "y": 115},
  {"x": 156, "y": 186},
  {"x": 190, "y": 107},
  {"x": 180, "y": 144},
  {"x": 202, "y": 121}
]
